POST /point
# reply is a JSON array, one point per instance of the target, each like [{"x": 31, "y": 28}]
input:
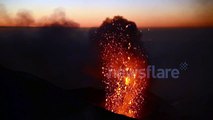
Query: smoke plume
[
  {"x": 24, "y": 18},
  {"x": 58, "y": 18}
]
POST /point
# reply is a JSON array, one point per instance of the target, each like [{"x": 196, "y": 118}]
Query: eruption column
[{"x": 122, "y": 60}]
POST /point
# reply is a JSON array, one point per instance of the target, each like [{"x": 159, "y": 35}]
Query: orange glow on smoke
[{"x": 124, "y": 91}]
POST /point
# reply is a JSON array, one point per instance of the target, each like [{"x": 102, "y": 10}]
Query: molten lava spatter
[{"x": 122, "y": 58}]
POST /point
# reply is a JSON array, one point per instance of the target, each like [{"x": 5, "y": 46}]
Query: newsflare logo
[{"x": 151, "y": 71}]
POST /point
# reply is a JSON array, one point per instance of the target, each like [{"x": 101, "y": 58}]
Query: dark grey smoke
[
  {"x": 4, "y": 17},
  {"x": 25, "y": 18},
  {"x": 205, "y": 10},
  {"x": 58, "y": 18}
]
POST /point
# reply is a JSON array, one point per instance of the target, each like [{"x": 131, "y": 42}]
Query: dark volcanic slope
[{"x": 25, "y": 97}]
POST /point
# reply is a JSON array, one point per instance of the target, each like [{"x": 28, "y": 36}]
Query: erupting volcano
[{"x": 122, "y": 57}]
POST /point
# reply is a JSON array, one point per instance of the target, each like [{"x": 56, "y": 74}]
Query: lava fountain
[{"x": 122, "y": 58}]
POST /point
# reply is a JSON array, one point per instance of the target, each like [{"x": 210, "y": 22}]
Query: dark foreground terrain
[{"x": 51, "y": 73}]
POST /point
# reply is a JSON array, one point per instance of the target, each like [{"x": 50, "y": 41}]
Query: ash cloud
[
  {"x": 25, "y": 18},
  {"x": 205, "y": 10},
  {"x": 4, "y": 17},
  {"x": 58, "y": 18}
]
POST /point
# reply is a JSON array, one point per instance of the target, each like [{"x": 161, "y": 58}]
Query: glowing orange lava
[
  {"x": 124, "y": 93},
  {"x": 121, "y": 62}
]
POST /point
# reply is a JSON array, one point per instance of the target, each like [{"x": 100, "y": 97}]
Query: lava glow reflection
[{"x": 121, "y": 58}]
